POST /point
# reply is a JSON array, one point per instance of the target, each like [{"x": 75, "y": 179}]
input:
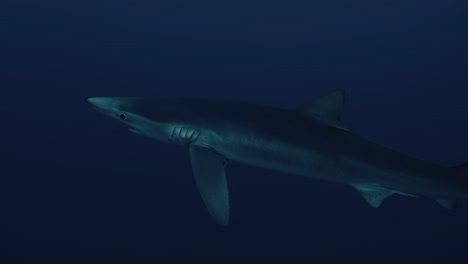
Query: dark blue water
[{"x": 75, "y": 184}]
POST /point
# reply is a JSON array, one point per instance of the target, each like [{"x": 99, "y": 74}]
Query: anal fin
[
  {"x": 447, "y": 203},
  {"x": 373, "y": 194}
]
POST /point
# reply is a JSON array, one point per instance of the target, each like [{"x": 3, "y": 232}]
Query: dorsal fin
[{"x": 327, "y": 108}]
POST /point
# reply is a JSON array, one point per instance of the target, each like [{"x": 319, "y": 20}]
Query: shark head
[
  {"x": 178, "y": 121},
  {"x": 156, "y": 119}
]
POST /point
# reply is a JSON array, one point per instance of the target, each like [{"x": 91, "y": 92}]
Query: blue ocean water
[{"x": 77, "y": 184}]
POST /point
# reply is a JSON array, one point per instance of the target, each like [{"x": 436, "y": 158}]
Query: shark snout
[
  {"x": 103, "y": 103},
  {"x": 111, "y": 106}
]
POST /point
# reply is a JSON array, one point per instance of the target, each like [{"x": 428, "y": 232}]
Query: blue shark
[{"x": 309, "y": 141}]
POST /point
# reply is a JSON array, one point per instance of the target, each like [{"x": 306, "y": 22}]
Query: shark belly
[
  {"x": 343, "y": 158},
  {"x": 284, "y": 155}
]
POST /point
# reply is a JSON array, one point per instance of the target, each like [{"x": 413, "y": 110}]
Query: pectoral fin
[{"x": 208, "y": 170}]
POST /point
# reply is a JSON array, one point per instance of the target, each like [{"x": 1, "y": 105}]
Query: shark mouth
[{"x": 133, "y": 130}]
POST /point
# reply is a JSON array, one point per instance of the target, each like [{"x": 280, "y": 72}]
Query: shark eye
[{"x": 123, "y": 116}]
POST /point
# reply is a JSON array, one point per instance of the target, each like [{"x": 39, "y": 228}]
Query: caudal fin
[
  {"x": 452, "y": 203},
  {"x": 463, "y": 168}
]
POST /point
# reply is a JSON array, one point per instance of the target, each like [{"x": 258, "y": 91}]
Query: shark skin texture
[{"x": 309, "y": 141}]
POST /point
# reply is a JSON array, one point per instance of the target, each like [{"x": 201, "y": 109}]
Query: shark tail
[
  {"x": 452, "y": 203},
  {"x": 374, "y": 194},
  {"x": 463, "y": 168}
]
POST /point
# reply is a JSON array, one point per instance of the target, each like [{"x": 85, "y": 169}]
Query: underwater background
[{"x": 76, "y": 184}]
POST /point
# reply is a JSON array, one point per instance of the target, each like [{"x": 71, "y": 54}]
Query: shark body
[{"x": 309, "y": 141}]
